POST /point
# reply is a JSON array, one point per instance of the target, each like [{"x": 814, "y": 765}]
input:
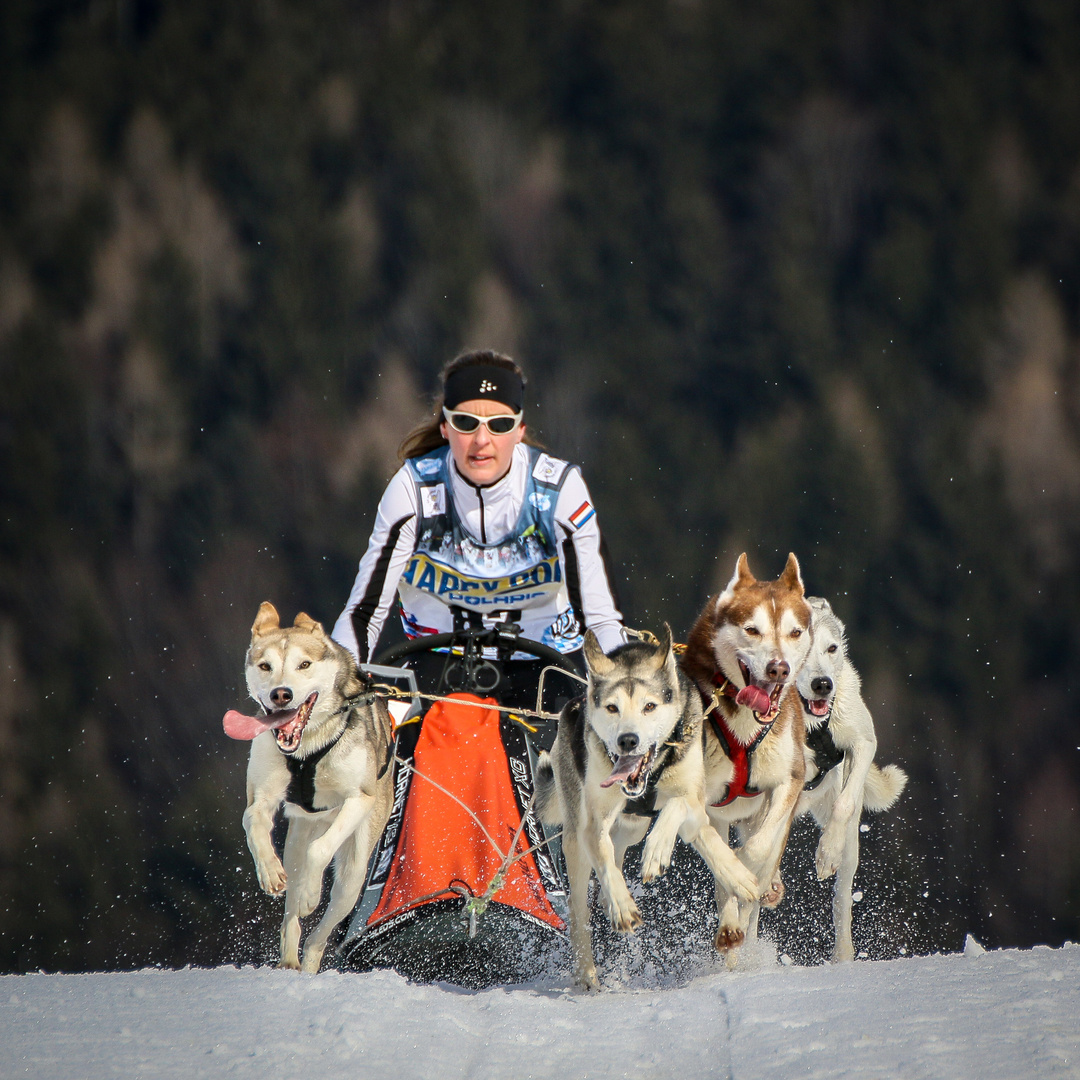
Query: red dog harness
[{"x": 739, "y": 755}]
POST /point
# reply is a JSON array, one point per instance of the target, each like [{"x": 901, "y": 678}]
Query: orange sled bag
[{"x": 423, "y": 909}]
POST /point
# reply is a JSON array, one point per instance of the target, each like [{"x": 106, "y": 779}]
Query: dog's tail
[
  {"x": 547, "y": 797},
  {"x": 883, "y": 787}
]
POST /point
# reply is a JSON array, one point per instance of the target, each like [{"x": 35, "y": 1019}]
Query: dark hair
[{"x": 426, "y": 436}]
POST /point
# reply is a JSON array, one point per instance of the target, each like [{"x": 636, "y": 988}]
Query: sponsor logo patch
[
  {"x": 452, "y": 586},
  {"x": 548, "y": 469},
  {"x": 541, "y": 501},
  {"x": 433, "y": 500},
  {"x": 427, "y": 466},
  {"x": 583, "y": 513},
  {"x": 564, "y": 633}
]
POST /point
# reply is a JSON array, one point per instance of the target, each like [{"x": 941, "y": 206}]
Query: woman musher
[{"x": 479, "y": 527}]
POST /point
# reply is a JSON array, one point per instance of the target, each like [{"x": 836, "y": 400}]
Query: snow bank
[{"x": 984, "y": 1015}]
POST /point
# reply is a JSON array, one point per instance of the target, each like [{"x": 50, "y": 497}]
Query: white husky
[
  {"x": 841, "y": 777},
  {"x": 323, "y": 749}
]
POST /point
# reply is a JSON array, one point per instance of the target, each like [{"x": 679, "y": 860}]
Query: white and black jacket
[{"x": 527, "y": 546}]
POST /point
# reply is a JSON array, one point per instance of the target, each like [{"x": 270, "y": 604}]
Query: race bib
[
  {"x": 548, "y": 470},
  {"x": 433, "y": 500}
]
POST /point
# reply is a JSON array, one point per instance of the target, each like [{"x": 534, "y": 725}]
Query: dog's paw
[
  {"x": 623, "y": 912},
  {"x": 628, "y": 921},
  {"x": 585, "y": 978},
  {"x": 655, "y": 860},
  {"x": 272, "y": 877},
  {"x": 829, "y": 849},
  {"x": 728, "y": 938},
  {"x": 774, "y": 895},
  {"x": 742, "y": 882},
  {"x": 288, "y": 964}
]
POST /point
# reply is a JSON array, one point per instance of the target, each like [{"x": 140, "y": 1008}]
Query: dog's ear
[
  {"x": 663, "y": 648},
  {"x": 791, "y": 578},
  {"x": 596, "y": 659},
  {"x": 822, "y": 613},
  {"x": 742, "y": 576},
  {"x": 266, "y": 620},
  {"x": 303, "y": 621}
]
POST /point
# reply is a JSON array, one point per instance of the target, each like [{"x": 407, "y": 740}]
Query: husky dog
[
  {"x": 841, "y": 777},
  {"x": 630, "y": 747},
  {"x": 743, "y": 653},
  {"x": 323, "y": 749}
]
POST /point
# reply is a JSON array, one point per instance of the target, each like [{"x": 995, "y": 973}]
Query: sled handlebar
[{"x": 487, "y": 637}]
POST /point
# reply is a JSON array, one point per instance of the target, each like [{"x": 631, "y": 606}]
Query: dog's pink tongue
[
  {"x": 626, "y": 764},
  {"x": 239, "y": 726},
  {"x": 753, "y": 697}
]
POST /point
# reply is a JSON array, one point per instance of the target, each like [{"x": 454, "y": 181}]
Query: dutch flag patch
[{"x": 582, "y": 514}]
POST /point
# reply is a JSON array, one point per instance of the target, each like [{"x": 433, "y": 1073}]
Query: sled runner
[{"x": 465, "y": 884}]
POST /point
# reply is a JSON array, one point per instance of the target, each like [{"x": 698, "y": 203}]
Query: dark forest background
[{"x": 798, "y": 275}]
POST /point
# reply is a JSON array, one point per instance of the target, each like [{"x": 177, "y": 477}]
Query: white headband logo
[{"x": 486, "y": 387}]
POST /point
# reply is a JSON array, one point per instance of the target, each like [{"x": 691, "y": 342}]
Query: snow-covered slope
[{"x": 1005, "y": 1014}]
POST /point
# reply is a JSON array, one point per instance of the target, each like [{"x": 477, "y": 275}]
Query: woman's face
[{"x": 482, "y": 458}]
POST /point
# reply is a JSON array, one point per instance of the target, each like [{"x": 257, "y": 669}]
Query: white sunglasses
[{"x": 466, "y": 422}]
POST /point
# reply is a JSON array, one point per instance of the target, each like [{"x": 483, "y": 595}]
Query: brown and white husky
[{"x": 744, "y": 653}]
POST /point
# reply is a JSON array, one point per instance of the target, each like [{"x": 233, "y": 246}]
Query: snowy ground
[{"x": 984, "y": 1015}]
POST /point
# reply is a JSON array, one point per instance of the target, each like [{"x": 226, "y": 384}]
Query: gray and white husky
[
  {"x": 630, "y": 748},
  {"x": 841, "y": 777},
  {"x": 322, "y": 748}
]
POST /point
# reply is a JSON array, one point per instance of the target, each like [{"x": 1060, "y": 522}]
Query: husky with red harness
[{"x": 744, "y": 653}]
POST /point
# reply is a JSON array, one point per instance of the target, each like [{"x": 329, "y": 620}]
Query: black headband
[{"x": 484, "y": 382}]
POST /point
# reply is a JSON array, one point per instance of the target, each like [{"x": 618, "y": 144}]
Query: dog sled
[{"x": 465, "y": 884}]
